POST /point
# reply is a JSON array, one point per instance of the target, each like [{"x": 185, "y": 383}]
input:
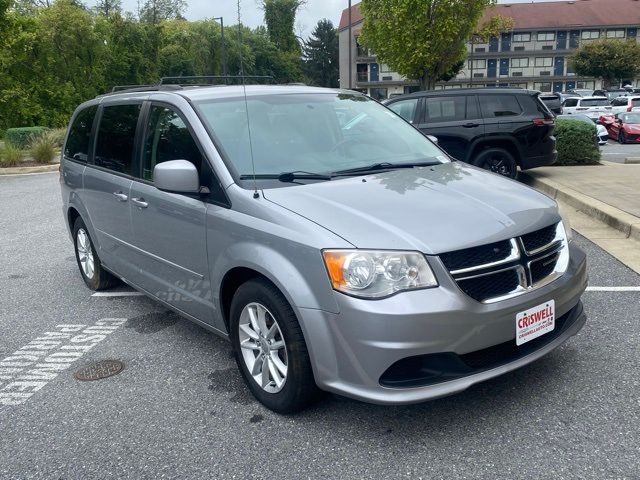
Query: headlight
[
  {"x": 565, "y": 223},
  {"x": 377, "y": 273}
]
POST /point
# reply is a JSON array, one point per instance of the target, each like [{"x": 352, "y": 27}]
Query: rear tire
[
  {"x": 622, "y": 138},
  {"x": 267, "y": 354},
  {"x": 497, "y": 160},
  {"x": 93, "y": 274}
]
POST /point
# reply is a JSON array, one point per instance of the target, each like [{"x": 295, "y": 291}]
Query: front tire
[
  {"x": 622, "y": 138},
  {"x": 498, "y": 161},
  {"x": 269, "y": 348},
  {"x": 93, "y": 274}
]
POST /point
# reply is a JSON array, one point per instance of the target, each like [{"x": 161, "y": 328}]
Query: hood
[{"x": 430, "y": 209}]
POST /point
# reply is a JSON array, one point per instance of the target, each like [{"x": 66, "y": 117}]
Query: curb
[
  {"x": 611, "y": 216},
  {"x": 632, "y": 160},
  {"x": 28, "y": 170}
]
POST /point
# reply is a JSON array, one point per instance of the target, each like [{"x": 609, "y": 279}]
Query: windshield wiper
[
  {"x": 384, "y": 166},
  {"x": 287, "y": 177}
]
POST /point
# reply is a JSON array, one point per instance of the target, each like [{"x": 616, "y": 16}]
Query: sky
[{"x": 252, "y": 15}]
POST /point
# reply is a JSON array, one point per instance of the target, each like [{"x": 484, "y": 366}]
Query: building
[{"x": 533, "y": 55}]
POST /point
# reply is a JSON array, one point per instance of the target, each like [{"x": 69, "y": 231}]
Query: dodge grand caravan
[{"x": 334, "y": 245}]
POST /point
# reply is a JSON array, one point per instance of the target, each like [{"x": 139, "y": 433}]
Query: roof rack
[{"x": 206, "y": 80}]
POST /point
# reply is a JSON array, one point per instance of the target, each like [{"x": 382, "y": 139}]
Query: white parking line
[
  {"x": 118, "y": 294},
  {"x": 613, "y": 289}
]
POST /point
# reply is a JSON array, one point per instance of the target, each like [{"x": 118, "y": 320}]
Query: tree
[
  {"x": 320, "y": 54},
  {"x": 421, "y": 39},
  {"x": 280, "y": 16},
  {"x": 108, "y": 7},
  {"x": 154, "y": 11},
  {"x": 609, "y": 59}
]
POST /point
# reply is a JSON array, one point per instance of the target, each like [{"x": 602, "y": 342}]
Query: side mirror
[
  {"x": 433, "y": 139},
  {"x": 178, "y": 176}
]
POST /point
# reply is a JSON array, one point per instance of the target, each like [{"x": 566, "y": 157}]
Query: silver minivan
[{"x": 334, "y": 245}]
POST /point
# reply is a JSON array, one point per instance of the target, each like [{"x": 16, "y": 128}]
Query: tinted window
[
  {"x": 405, "y": 108},
  {"x": 619, "y": 102},
  {"x": 77, "y": 146},
  {"x": 635, "y": 102},
  {"x": 595, "y": 102},
  {"x": 472, "y": 108},
  {"x": 116, "y": 135},
  {"x": 499, "y": 106},
  {"x": 571, "y": 102},
  {"x": 445, "y": 109},
  {"x": 167, "y": 138}
]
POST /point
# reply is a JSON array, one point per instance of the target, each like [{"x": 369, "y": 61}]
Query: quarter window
[
  {"x": 499, "y": 106},
  {"x": 167, "y": 138},
  {"x": 116, "y": 136},
  {"x": 546, "y": 36},
  {"x": 77, "y": 146},
  {"x": 405, "y": 108}
]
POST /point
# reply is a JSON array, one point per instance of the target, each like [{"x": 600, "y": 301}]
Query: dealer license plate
[{"x": 535, "y": 322}]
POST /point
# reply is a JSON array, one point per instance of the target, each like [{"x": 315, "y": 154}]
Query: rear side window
[
  {"x": 77, "y": 146},
  {"x": 571, "y": 102},
  {"x": 493, "y": 106},
  {"x": 116, "y": 137},
  {"x": 167, "y": 138},
  {"x": 619, "y": 102},
  {"x": 405, "y": 108},
  {"x": 445, "y": 109},
  {"x": 635, "y": 102}
]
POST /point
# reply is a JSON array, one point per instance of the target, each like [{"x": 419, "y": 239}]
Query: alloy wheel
[
  {"x": 85, "y": 253},
  {"x": 497, "y": 164},
  {"x": 263, "y": 347}
]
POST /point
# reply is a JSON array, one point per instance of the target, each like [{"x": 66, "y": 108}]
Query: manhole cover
[{"x": 99, "y": 370}]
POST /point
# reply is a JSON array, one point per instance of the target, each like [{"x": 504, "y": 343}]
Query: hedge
[
  {"x": 22, "y": 137},
  {"x": 576, "y": 143}
]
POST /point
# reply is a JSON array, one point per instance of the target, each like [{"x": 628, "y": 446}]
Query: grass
[
  {"x": 44, "y": 148},
  {"x": 10, "y": 156}
]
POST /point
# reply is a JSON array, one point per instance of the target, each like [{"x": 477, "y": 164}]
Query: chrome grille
[{"x": 493, "y": 272}]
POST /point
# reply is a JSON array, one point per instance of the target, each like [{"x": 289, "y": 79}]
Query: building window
[
  {"x": 477, "y": 64},
  {"x": 586, "y": 85},
  {"x": 519, "y": 62},
  {"x": 544, "y": 61},
  {"x": 570, "y": 70},
  {"x": 521, "y": 37},
  {"x": 360, "y": 50},
  {"x": 542, "y": 86},
  {"x": 362, "y": 72},
  {"x": 590, "y": 34},
  {"x": 546, "y": 36},
  {"x": 615, "y": 33}
]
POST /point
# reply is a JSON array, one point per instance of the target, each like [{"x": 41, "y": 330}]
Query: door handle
[
  {"x": 139, "y": 202},
  {"x": 470, "y": 125},
  {"x": 122, "y": 197}
]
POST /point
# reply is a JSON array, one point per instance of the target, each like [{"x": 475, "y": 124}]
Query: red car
[{"x": 624, "y": 127}]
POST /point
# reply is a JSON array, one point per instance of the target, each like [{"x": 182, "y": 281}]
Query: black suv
[{"x": 497, "y": 129}]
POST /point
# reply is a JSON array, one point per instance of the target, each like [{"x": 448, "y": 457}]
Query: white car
[
  {"x": 601, "y": 132},
  {"x": 630, "y": 103},
  {"x": 592, "y": 107}
]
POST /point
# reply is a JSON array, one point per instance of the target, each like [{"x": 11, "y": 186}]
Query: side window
[
  {"x": 493, "y": 106},
  {"x": 167, "y": 138},
  {"x": 445, "y": 109},
  {"x": 116, "y": 136},
  {"x": 472, "y": 108},
  {"x": 571, "y": 102},
  {"x": 77, "y": 146},
  {"x": 405, "y": 108}
]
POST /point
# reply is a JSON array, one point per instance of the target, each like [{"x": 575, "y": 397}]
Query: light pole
[
  {"x": 222, "y": 46},
  {"x": 350, "y": 46}
]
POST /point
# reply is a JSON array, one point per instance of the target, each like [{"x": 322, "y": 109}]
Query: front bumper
[{"x": 350, "y": 351}]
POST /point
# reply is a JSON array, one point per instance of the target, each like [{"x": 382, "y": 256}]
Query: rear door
[
  {"x": 107, "y": 185},
  {"x": 454, "y": 120},
  {"x": 169, "y": 228},
  {"x": 406, "y": 108}
]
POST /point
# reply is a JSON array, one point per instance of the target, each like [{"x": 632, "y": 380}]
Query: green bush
[
  {"x": 10, "y": 156},
  {"x": 22, "y": 137},
  {"x": 43, "y": 148},
  {"x": 576, "y": 143},
  {"x": 56, "y": 135}
]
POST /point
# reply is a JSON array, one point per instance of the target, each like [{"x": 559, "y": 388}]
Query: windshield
[
  {"x": 313, "y": 133},
  {"x": 594, "y": 102}
]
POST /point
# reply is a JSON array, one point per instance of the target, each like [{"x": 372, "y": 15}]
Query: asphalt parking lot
[
  {"x": 615, "y": 152},
  {"x": 179, "y": 408}
]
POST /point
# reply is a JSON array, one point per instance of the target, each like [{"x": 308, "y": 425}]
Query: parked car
[
  {"x": 592, "y": 107},
  {"x": 498, "y": 129},
  {"x": 553, "y": 101},
  {"x": 623, "y": 127},
  {"x": 582, "y": 92},
  {"x": 602, "y": 135},
  {"x": 628, "y": 103},
  {"x": 613, "y": 93},
  {"x": 339, "y": 252}
]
